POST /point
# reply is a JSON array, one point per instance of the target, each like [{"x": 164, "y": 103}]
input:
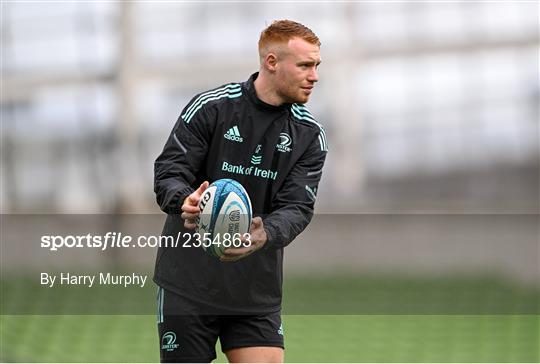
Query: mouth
[{"x": 307, "y": 89}]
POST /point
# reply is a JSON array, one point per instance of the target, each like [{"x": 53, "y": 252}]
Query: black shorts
[{"x": 192, "y": 337}]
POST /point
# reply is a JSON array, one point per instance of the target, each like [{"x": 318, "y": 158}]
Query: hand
[
  {"x": 258, "y": 239},
  {"x": 190, "y": 207}
]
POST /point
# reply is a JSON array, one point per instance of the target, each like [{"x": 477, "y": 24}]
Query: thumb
[
  {"x": 256, "y": 222},
  {"x": 195, "y": 196},
  {"x": 202, "y": 187}
]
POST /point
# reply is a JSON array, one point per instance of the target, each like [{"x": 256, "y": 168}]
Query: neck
[{"x": 265, "y": 90}]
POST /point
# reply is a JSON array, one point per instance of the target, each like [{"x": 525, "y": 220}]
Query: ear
[{"x": 270, "y": 61}]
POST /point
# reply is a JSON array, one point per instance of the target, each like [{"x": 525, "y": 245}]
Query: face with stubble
[{"x": 296, "y": 70}]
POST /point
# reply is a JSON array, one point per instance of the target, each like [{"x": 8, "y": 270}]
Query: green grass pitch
[{"x": 346, "y": 318}]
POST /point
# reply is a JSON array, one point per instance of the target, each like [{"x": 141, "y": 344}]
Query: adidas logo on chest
[{"x": 233, "y": 134}]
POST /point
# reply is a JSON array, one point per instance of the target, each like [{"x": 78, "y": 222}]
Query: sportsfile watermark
[
  {"x": 341, "y": 264},
  {"x": 121, "y": 240}
]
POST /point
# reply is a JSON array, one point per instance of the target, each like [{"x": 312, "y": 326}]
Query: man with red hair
[{"x": 260, "y": 134}]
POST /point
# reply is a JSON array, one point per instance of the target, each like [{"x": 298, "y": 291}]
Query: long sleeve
[
  {"x": 176, "y": 168},
  {"x": 294, "y": 203}
]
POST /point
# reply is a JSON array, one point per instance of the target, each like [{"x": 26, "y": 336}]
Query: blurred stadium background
[{"x": 425, "y": 244}]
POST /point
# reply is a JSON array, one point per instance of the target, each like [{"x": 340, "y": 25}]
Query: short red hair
[{"x": 281, "y": 31}]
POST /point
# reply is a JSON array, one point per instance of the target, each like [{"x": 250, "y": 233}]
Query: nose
[{"x": 313, "y": 76}]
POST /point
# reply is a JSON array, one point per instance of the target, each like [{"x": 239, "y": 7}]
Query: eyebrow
[{"x": 309, "y": 62}]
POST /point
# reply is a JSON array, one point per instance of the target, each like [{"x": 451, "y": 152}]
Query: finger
[
  {"x": 257, "y": 221},
  {"x": 190, "y": 224},
  {"x": 225, "y": 258},
  {"x": 228, "y": 258},
  {"x": 202, "y": 187},
  {"x": 193, "y": 199},
  {"x": 251, "y": 243},
  {"x": 236, "y": 251},
  {"x": 245, "y": 236},
  {"x": 190, "y": 209},
  {"x": 188, "y": 216}
]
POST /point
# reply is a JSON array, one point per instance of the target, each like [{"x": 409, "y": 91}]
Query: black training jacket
[{"x": 277, "y": 153}]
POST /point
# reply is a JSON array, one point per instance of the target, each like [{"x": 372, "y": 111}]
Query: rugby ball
[{"x": 225, "y": 216}]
